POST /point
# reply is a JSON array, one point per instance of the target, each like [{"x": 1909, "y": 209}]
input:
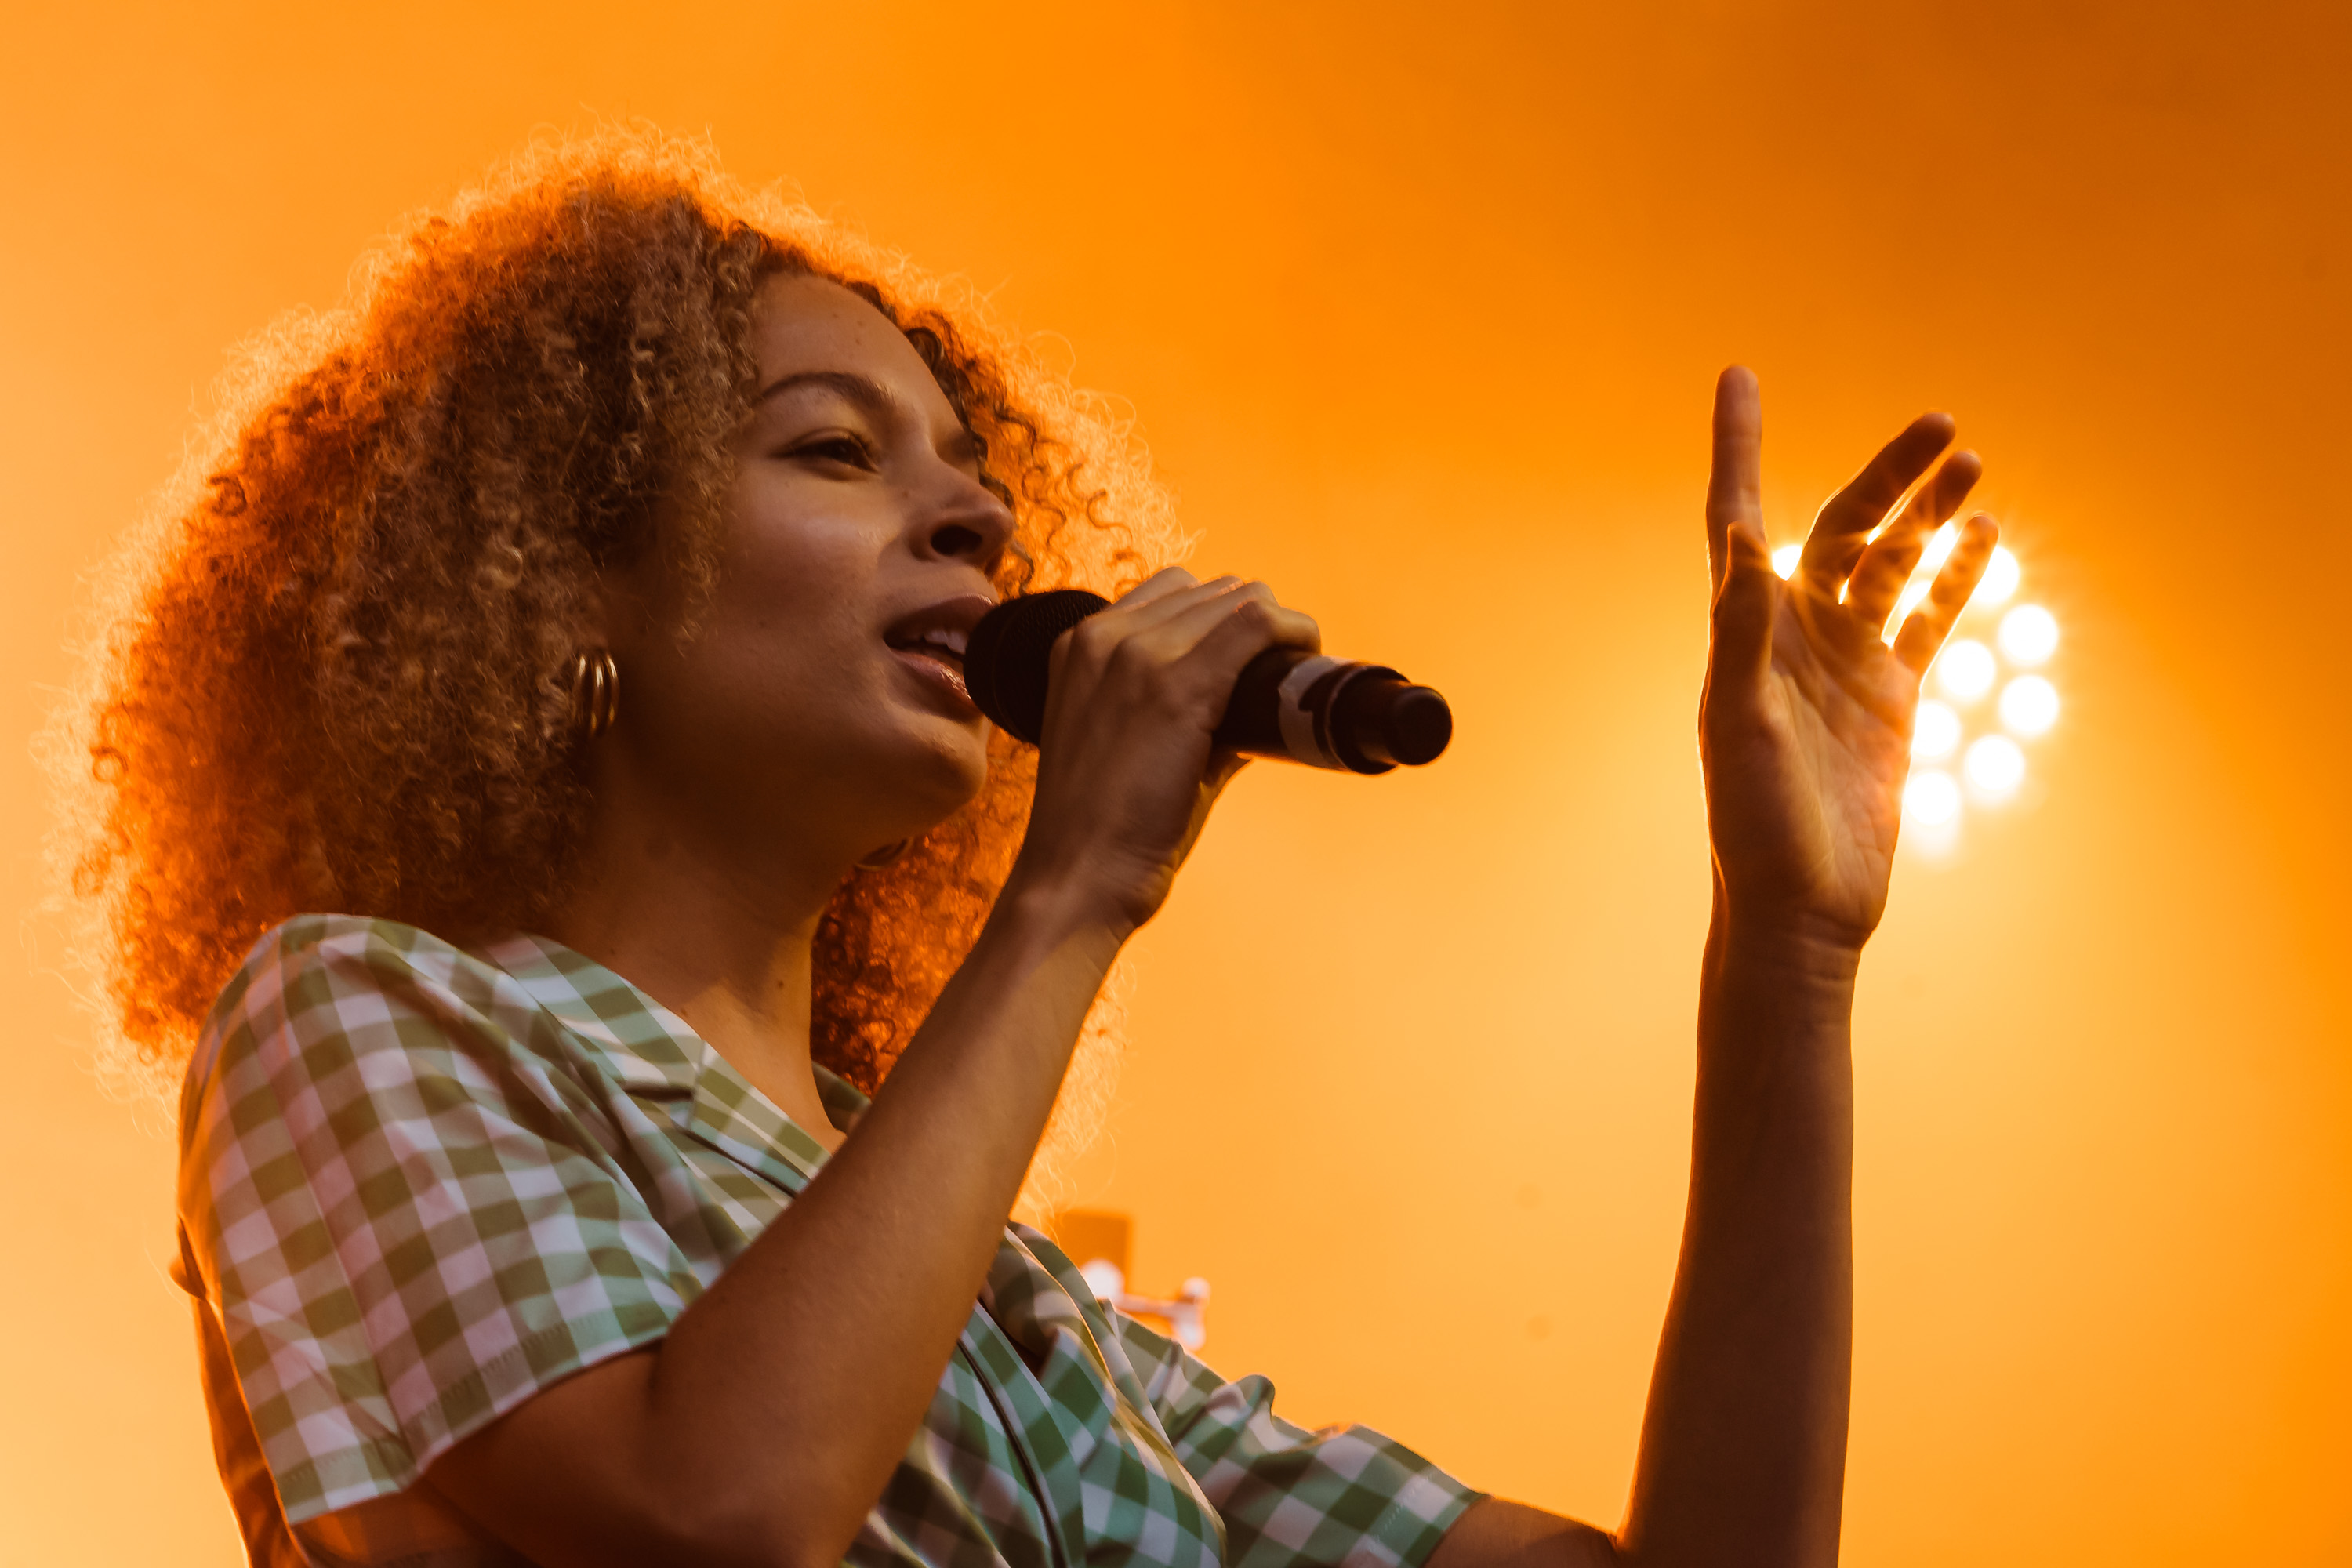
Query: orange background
[{"x": 1419, "y": 307}]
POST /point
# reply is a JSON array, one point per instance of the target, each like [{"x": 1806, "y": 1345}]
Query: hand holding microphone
[
  {"x": 1287, "y": 703},
  {"x": 1140, "y": 709}
]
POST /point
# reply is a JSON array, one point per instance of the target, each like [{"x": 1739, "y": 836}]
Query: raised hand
[{"x": 1805, "y": 724}]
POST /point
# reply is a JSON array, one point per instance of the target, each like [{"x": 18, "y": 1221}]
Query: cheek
[
  {"x": 787, "y": 660},
  {"x": 798, "y": 578}
]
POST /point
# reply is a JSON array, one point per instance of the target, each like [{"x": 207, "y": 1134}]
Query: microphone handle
[
  {"x": 1304, "y": 707},
  {"x": 1333, "y": 714}
]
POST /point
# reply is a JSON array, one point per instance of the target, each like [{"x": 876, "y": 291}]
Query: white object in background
[
  {"x": 2028, "y": 705},
  {"x": 1785, "y": 559},
  {"x": 1187, "y": 1315},
  {"x": 1934, "y": 731},
  {"x": 1994, "y": 764},
  {"x": 2029, "y": 634},
  {"x": 1966, "y": 670},
  {"x": 1931, "y": 799},
  {"x": 2000, "y": 580}
]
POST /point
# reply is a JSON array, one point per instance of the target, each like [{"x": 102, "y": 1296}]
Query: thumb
[{"x": 1744, "y": 606}]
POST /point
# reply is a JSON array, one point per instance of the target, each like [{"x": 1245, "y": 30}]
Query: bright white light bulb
[
  {"x": 1785, "y": 559},
  {"x": 2029, "y": 634},
  {"x": 1994, "y": 764},
  {"x": 1934, "y": 731},
  {"x": 2028, "y": 705},
  {"x": 1931, "y": 799},
  {"x": 2000, "y": 580},
  {"x": 1965, "y": 670}
]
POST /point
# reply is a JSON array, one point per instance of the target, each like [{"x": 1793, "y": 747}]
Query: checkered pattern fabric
[{"x": 419, "y": 1184}]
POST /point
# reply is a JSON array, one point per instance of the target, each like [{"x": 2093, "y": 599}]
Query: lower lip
[{"x": 940, "y": 676}]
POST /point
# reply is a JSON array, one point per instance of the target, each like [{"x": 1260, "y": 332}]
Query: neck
[{"x": 719, "y": 936}]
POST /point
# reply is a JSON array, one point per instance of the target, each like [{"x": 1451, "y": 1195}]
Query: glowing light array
[{"x": 1964, "y": 751}]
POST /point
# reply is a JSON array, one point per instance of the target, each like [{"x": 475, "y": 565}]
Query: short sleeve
[
  {"x": 1289, "y": 1497},
  {"x": 405, "y": 1203}
]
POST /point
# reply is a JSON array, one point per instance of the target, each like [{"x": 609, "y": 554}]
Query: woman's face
[{"x": 822, "y": 691}]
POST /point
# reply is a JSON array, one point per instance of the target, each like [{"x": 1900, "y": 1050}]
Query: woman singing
[{"x": 534, "y": 804}]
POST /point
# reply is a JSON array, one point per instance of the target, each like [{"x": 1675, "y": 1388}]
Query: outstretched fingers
[
  {"x": 1927, "y": 627},
  {"x": 1733, "y": 491},
  {"x": 1847, "y": 518},
  {"x": 1888, "y": 560},
  {"x": 1745, "y": 605}
]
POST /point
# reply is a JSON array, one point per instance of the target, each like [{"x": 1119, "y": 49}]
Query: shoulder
[
  {"x": 356, "y": 947},
  {"x": 322, "y": 995}
]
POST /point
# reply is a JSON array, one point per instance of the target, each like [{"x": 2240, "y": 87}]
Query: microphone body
[{"x": 1304, "y": 707}]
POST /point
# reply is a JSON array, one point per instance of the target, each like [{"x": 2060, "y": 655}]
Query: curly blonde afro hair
[{"x": 331, "y": 676}]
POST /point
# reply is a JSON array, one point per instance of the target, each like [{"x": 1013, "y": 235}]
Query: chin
[{"x": 940, "y": 770}]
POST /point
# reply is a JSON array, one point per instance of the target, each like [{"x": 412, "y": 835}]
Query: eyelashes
[{"x": 844, "y": 450}]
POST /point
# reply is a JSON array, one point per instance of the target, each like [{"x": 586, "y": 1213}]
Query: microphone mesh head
[{"x": 1008, "y": 660}]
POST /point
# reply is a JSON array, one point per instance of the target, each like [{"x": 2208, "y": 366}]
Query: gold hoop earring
[
  {"x": 888, "y": 855},
  {"x": 595, "y": 683}
]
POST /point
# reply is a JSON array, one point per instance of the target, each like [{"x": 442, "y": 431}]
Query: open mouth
[
  {"x": 942, "y": 644},
  {"x": 932, "y": 641}
]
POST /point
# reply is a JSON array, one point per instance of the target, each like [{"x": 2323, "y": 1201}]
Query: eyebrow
[
  {"x": 863, "y": 390},
  {"x": 870, "y": 395}
]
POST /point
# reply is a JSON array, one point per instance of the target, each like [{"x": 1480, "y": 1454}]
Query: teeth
[{"x": 945, "y": 638}]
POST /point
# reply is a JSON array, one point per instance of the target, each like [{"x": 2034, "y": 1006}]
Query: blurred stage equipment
[
  {"x": 1304, "y": 707},
  {"x": 1098, "y": 1242}
]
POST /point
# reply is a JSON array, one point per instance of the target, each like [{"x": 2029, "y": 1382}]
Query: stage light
[
  {"x": 1966, "y": 670},
  {"x": 1968, "y": 749},
  {"x": 1931, "y": 799},
  {"x": 1935, "y": 732},
  {"x": 1994, "y": 763},
  {"x": 1785, "y": 559},
  {"x": 2028, "y": 706},
  {"x": 2000, "y": 580},
  {"x": 2029, "y": 635}
]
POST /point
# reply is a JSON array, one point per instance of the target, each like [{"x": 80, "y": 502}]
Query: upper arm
[
  {"x": 1493, "y": 1534},
  {"x": 400, "y": 1221},
  {"x": 560, "y": 1477}
]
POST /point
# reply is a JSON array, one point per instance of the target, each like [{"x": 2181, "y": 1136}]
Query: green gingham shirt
[{"x": 419, "y": 1184}]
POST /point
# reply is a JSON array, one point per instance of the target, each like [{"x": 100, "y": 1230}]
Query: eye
[{"x": 834, "y": 448}]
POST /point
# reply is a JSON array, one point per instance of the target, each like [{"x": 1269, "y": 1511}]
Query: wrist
[
  {"x": 1038, "y": 904},
  {"x": 1788, "y": 946}
]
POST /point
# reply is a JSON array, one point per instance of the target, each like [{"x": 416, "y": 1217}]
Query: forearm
[
  {"x": 1743, "y": 1446},
  {"x": 819, "y": 1351}
]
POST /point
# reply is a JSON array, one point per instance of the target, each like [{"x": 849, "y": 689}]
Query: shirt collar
[{"x": 653, "y": 1052}]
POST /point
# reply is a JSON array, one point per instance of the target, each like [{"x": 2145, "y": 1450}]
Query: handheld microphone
[{"x": 1305, "y": 707}]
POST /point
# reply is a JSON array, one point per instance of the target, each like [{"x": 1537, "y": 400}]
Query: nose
[{"x": 969, "y": 522}]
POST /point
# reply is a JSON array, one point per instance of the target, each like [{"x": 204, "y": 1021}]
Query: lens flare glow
[
  {"x": 1785, "y": 559},
  {"x": 1939, "y": 546},
  {"x": 1970, "y": 752},
  {"x": 1931, "y": 799},
  {"x": 2000, "y": 580},
  {"x": 1994, "y": 764},
  {"x": 2028, "y": 706},
  {"x": 1965, "y": 670},
  {"x": 1935, "y": 732},
  {"x": 2029, "y": 635},
  {"x": 1923, "y": 577}
]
